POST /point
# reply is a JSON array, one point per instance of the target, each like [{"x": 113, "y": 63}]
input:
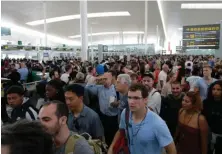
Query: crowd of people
[{"x": 154, "y": 104}]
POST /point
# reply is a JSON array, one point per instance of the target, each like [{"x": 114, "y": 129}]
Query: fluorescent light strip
[
  {"x": 77, "y": 16},
  {"x": 201, "y": 6},
  {"x": 30, "y": 32},
  {"x": 133, "y": 32},
  {"x": 162, "y": 18},
  {"x": 109, "y": 33}
]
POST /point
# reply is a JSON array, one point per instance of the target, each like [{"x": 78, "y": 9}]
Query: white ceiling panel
[{"x": 22, "y": 12}]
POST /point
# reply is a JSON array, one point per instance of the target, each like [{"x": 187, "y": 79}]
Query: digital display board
[{"x": 201, "y": 37}]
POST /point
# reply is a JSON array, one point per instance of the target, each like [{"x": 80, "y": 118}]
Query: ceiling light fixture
[
  {"x": 133, "y": 32},
  {"x": 162, "y": 18},
  {"x": 201, "y": 6},
  {"x": 109, "y": 33},
  {"x": 31, "y": 32},
  {"x": 77, "y": 16}
]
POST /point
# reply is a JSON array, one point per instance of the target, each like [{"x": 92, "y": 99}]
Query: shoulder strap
[
  {"x": 25, "y": 108},
  {"x": 70, "y": 144},
  {"x": 198, "y": 121},
  {"x": 154, "y": 93},
  {"x": 127, "y": 123}
]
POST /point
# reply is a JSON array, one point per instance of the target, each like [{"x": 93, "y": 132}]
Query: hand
[
  {"x": 110, "y": 151},
  {"x": 115, "y": 104}
]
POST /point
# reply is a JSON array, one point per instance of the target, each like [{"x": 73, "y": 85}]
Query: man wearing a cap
[{"x": 154, "y": 97}]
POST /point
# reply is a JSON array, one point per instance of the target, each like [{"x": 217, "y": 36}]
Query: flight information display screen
[{"x": 201, "y": 37}]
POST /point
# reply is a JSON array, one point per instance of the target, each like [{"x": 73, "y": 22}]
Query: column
[
  {"x": 92, "y": 57},
  {"x": 121, "y": 37},
  {"x": 141, "y": 39},
  {"x": 83, "y": 29},
  {"x": 138, "y": 38},
  {"x": 146, "y": 25}
]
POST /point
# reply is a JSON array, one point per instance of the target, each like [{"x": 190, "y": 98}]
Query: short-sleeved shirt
[
  {"x": 192, "y": 81},
  {"x": 81, "y": 146},
  {"x": 148, "y": 136},
  {"x": 88, "y": 121},
  {"x": 162, "y": 77},
  {"x": 154, "y": 100},
  {"x": 202, "y": 85},
  {"x": 104, "y": 95},
  {"x": 24, "y": 73}
]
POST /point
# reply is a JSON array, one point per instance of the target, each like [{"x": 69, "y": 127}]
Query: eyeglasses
[
  {"x": 76, "y": 124},
  {"x": 134, "y": 98}
]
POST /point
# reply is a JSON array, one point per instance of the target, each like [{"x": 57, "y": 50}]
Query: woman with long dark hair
[
  {"x": 212, "y": 109},
  {"x": 192, "y": 131}
]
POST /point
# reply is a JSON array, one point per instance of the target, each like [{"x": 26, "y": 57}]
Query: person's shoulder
[
  {"x": 91, "y": 113},
  {"x": 154, "y": 118}
]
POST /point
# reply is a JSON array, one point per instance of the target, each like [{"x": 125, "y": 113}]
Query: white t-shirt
[
  {"x": 162, "y": 76},
  {"x": 65, "y": 77},
  {"x": 89, "y": 79},
  {"x": 154, "y": 101}
]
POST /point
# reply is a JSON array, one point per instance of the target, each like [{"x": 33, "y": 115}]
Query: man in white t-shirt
[
  {"x": 65, "y": 76},
  {"x": 154, "y": 97},
  {"x": 162, "y": 78}
]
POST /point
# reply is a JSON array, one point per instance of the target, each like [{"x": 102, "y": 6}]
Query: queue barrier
[{"x": 31, "y": 86}]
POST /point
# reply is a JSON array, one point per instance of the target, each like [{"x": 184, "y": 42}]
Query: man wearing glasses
[{"x": 147, "y": 132}]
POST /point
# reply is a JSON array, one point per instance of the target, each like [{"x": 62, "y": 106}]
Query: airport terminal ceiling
[
  {"x": 23, "y": 12},
  {"x": 174, "y": 17}
]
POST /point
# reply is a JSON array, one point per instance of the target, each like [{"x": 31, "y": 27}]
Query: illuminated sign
[
  {"x": 202, "y": 28},
  {"x": 201, "y": 36}
]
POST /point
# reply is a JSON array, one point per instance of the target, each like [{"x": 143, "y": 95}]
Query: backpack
[{"x": 98, "y": 146}]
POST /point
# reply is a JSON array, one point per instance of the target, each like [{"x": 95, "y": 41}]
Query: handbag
[{"x": 121, "y": 145}]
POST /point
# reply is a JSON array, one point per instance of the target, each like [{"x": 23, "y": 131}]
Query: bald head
[{"x": 107, "y": 75}]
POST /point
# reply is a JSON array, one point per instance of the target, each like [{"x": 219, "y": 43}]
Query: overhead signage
[
  {"x": 211, "y": 43},
  {"x": 201, "y": 37},
  {"x": 105, "y": 48},
  {"x": 201, "y": 28},
  {"x": 45, "y": 54},
  {"x": 44, "y": 48},
  {"x": 63, "y": 49}
]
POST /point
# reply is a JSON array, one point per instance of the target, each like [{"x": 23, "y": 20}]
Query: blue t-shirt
[
  {"x": 24, "y": 73},
  {"x": 203, "y": 86},
  {"x": 148, "y": 136}
]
